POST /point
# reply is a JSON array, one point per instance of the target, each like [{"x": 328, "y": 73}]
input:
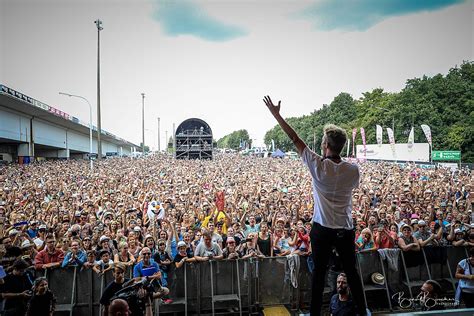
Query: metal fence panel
[
  {"x": 263, "y": 282},
  {"x": 60, "y": 280},
  {"x": 274, "y": 282}
]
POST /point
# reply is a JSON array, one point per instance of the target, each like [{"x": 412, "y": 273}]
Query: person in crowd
[
  {"x": 104, "y": 264},
  {"x": 123, "y": 255},
  {"x": 50, "y": 257},
  {"x": 149, "y": 268},
  {"x": 134, "y": 246},
  {"x": 281, "y": 246},
  {"x": 365, "y": 242},
  {"x": 341, "y": 304},
  {"x": 230, "y": 251},
  {"x": 163, "y": 259},
  {"x": 216, "y": 238},
  {"x": 149, "y": 242},
  {"x": 197, "y": 240},
  {"x": 15, "y": 289},
  {"x": 75, "y": 257},
  {"x": 183, "y": 255},
  {"x": 10, "y": 253},
  {"x": 32, "y": 229},
  {"x": 104, "y": 245},
  {"x": 465, "y": 275},
  {"x": 119, "y": 307},
  {"x": 207, "y": 250},
  {"x": 87, "y": 243},
  {"x": 42, "y": 301},
  {"x": 250, "y": 249},
  {"x": 29, "y": 250},
  {"x": 459, "y": 239},
  {"x": 424, "y": 235},
  {"x": 407, "y": 242},
  {"x": 113, "y": 287},
  {"x": 252, "y": 227},
  {"x": 383, "y": 238}
]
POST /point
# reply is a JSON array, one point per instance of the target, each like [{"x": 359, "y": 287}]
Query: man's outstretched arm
[{"x": 275, "y": 110}]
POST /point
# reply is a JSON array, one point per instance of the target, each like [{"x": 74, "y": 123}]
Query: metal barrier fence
[{"x": 247, "y": 285}]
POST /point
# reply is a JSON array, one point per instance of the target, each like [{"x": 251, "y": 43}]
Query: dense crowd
[{"x": 161, "y": 211}]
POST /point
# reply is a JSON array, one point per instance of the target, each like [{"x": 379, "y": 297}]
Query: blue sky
[
  {"x": 215, "y": 60},
  {"x": 360, "y": 15},
  {"x": 188, "y": 18}
]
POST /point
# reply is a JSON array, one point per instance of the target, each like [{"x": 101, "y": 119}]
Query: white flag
[
  {"x": 391, "y": 139},
  {"x": 379, "y": 135},
  {"x": 427, "y": 130},
  {"x": 411, "y": 139}
]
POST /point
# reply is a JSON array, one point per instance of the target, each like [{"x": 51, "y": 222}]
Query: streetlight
[
  {"x": 90, "y": 122},
  {"x": 143, "y": 123},
  {"x": 98, "y": 23}
]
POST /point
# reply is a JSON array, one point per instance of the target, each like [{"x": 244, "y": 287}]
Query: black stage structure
[{"x": 193, "y": 140}]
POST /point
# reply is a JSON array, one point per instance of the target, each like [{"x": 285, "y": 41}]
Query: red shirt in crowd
[
  {"x": 385, "y": 241},
  {"x": 43, "y": 257}
]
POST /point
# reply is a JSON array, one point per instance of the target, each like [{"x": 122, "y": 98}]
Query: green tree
[
  {"x": 445, "y": 103},
  {"x": 234, "y": 139}
]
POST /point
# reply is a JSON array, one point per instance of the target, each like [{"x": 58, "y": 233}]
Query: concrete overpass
[{"x": 30, "y": 128}]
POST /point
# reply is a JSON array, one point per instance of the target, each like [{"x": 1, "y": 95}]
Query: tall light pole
[
  {"x": 166, "y": 141},
  {"x": 159, "y": 135},
  {"x": 98, "y": 23},
  {"x": 90, "y": 123},
  {"x": 174, "y": 137},
  {"x": 143, "y": 123}
]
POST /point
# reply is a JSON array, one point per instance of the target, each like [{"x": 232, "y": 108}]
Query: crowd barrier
[{"x": 248, "y": 285}]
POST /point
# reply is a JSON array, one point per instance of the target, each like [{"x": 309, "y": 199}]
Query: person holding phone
[
  {"x": 16, "y": 289},
  {"x": 333, "y": 181}
]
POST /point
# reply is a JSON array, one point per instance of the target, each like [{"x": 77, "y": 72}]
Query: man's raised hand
[{"x": 274, "y": 109}]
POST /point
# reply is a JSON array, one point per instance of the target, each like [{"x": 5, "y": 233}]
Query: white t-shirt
[{"x": 332, "y": 189}]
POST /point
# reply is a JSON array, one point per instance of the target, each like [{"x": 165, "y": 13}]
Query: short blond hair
[{"x": 334, "y": 137}]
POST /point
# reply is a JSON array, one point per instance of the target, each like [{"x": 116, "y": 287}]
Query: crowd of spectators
[{"x": 57, "y": 214}]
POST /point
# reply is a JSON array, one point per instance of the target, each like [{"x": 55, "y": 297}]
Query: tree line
[{"x": 443, "y": 102}]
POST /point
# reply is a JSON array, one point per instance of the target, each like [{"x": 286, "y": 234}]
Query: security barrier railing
[{"x": 248, "y": 285}]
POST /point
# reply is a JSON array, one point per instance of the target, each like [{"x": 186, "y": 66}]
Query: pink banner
[
  {"x": 354, "y": 133},
  {"x": 362, "y": 133}
]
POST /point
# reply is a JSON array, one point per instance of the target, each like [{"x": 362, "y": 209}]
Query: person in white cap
[
  {"x": 40, "y": 238},
  {"x": 104, "y": 244},
  {"x": 28, "y": 249},
  {"x": 182, "y": 256},
  {"x": 459, "y": 240},
  {"x": 424, "y": 236}
]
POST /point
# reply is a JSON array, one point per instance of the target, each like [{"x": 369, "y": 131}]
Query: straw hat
[{"x": 377, "y": 278}]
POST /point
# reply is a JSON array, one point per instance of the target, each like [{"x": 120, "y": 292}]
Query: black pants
[
  {"x": 322, "y": 241},
  {"x": 468, "y": 299}
]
